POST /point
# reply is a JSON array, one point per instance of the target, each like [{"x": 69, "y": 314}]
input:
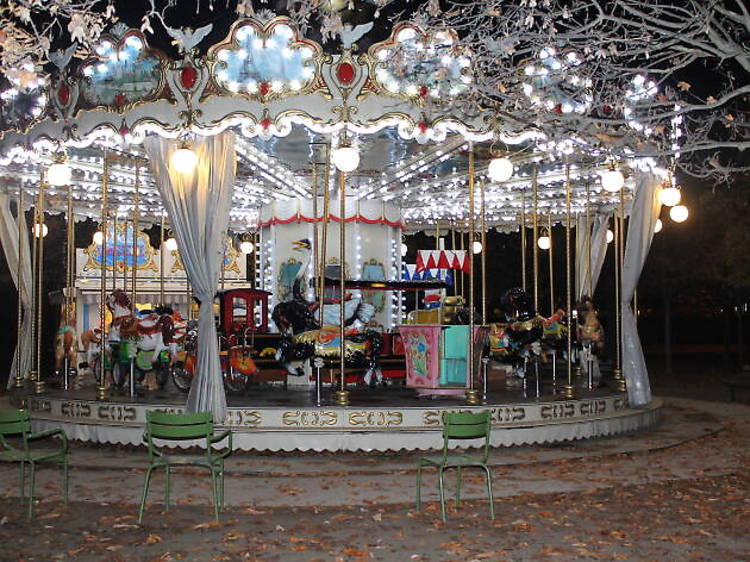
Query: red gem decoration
[
  {"x": 264, "y": 88},
  {"x": 345, "y": 73},
  {"x": 607, "y": 109},
  {"x": 422, "y": 127},
  {"x": 63, "y": 95},
  {"x": 119, "y": 99},
  {"x": 558, "y": 109},
  {"x": 124, "y": 131},
  {"x": 188, "y": 77},
  {"x": 423, "y": 91},
  {"x": 265, "y": 123}
]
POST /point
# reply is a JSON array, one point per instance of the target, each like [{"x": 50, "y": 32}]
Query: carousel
[{"x": 255, "y": 208}]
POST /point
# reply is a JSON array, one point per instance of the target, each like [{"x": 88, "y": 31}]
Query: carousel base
[{"x": 385, "y": 419}]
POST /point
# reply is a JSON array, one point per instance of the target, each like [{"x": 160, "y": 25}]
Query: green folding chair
[
  {"x": 15, "y": 428},
  {"x": 459, "y": 426},
  {"x": 174, "y": 428}
]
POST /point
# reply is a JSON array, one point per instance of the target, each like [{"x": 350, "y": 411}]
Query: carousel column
[
  {"x": 342, "y": 395},
  {"x": 472, "y": 395},
  {"x": 321, "y": 271},
  {"x": 568, "y": 389},
  {"x": 162, "y": 257},
  {"x": 535, "y": 235},
  {"x": 483, "y": 214},
  {"x": 522, "y": 229},
  {"x": 101, "y": 389},
  {"x": 39, "y": 236},
  {"x": 619, "y": 218},
  {"x": 69, "y": 282},
  {"x": 21, "y": 219},
  {"x": 550, "y": 259},
  {"x": 316, "y": 261},
  {"x": 133, "y": 264}
]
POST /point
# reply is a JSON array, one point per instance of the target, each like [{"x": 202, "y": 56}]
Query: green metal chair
[
  {"x": 182, "y": 427},
  {"x": 459, "y": 426},
  {"x": 16, "y": 441}
]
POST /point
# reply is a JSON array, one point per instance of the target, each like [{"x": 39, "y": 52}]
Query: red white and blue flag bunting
[{"x": 443, "y": 259}]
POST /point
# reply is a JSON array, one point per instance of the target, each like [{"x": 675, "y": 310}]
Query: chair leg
[
  {"x": 419, "y": 487},
  {"x": 65, "y": 483},
  {"x": 215, "y": 493},
  {"x": 168, "y": 486},
  {"x": 458, "y": 486},
  {"x": 491, "y": 498},
  {"x": 221, "y": 487},
  {"x": 22, "y": 472},
  {"x": 31, "y": 489},
  {"x": 442, "y": 494},
  {"x": 145, "y": 493}
]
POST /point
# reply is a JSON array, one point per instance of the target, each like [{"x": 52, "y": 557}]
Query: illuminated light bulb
[
  {"x": 670, "y": 196},
  {"x": 98, "y": 237},
  {"x": 346, "y": 158},
  {"x": 404, "y": 249},
  {"x": 658, "y": 226},
  {"x": 544, "y": 243},
  {"x": 170, "y": 244},
  {"x": 500, "y": 169},
  {"x": 679, "y": 213},
  {"x": 476, "y": 247},
  {"x": 247, "y": 247},
  {"x": 58, "y": 174},
  {"x": 184, "y": 160},
  {"x": 610, "y": 236},
  {"x": 40, "y": 229},
  {"x": 613, "y": 180}
]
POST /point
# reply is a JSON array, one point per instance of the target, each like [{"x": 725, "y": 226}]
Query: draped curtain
[
  {"x": 598, "y": 233},
  {"x": 198, "y": 205},
  {"x": 645, "y": 211},
  {"x": 9, "y": 240}
]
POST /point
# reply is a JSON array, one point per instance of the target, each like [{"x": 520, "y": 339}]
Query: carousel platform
[{"x": 269, "y": 418}]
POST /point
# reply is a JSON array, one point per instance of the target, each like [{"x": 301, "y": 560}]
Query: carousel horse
[
  {"x": 555, "y": 333},
  {"x": 590, "y": 336},
  {"x": 518, "y": 339},
  {"x": 147, "y": 341},
  {"x": 66, "y": 341},
  {"x": 304, "y": 338}
]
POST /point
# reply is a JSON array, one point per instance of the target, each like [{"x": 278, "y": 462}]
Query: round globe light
[
  {"x": 476, "y": 247},
  {"x": 58, "y": 174},
  {"x": 658, "y": 226},
  {"x": 544, "y": 243},
  {"x": 500, "y": 169},
  {"x": 184, "y": 160},
  {"x": 346, "y": 158},
  {"x": 404, "y": 249},
  {"x": 170, "y": 244},
  {"x": 247, "y": 247},
  {"x": 613, "y": 180},
  {"x": 610, "y": 236},
  {"x": 98, "y": 237},
  {"x": 670, "y": 196},
  {"x": 679, "y": 213},
  {"x": 40, "y": 229}
]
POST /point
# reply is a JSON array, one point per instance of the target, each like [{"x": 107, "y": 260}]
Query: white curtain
[
  {"x": 198, "y": 206},
  {"x": 645, "y": 211},
  {"x": 598, "y": 231},
  {"x": 9, "y": 241}
]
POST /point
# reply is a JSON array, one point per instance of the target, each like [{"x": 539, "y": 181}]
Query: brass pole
[
  {"x": 101, "y": 390},
  {"x": 69, "y": 265},
  {"x": 223, "y": 261},
  {"x": 568, "y": 390},
  {"x": 115, "y": 249},
  {"x": 619, "y": 236},
  {"x": 453, "y": 247},
  {"x": 535, "y": 234},
  {"x": 316, "y": 245},
  {"x": 136, "y": 211},
  {"x": 472, "y": 395},
  {"x": 551, "y": 270},
  {"x": 34, "y": 275},
  {"x": 21, "y": 219},
  {"x": 460, "y": 273},
  {"x": 523, "y": 239},
  {"x": 324, "y": 234},
  {"x": 589, "y": 274},
  {"x": 162, "y": 261},
  {"x": 483, "y": 211},
  {"x": 437, "y": 234},
  {"x": 342, "y": 396},
  {"x": 39, "y": 231}
]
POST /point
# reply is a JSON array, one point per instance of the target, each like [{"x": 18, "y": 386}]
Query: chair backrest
[
  {"x": 14, "y": 422},
  {"x": 467, "y": 425},
  {"x": 160, "y": 425}
]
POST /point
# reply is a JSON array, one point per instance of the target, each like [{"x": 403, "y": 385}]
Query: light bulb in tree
[
  {"x": 184, "y": 160},
  {"x": 98, "y": 237},
  {"x": 610, "y": 236},
  {"x": 613, "y": 180},
  {"x": 544, "y": 242},
  {"x": 404, "y": 249},
  {"x": 346, "y": 158},
  {"x": 40, "y": 229},
  {"x": 679, "y": 213},
  {"x": 658, "y": 226},
  {"x": 476, "y": 247},
  {"x": 670, "y": 196},
  {"x": 170, "y": 244},
  {"x": 500, "y": 169},
  {"x": 58, "y": 174},
  {"x": 247, "y": 247}
]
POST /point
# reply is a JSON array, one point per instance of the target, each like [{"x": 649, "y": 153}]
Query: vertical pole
[
  {"x": 620, "y": 236},
  {"x": 589, "y": 274},
  {"x": 342, "y": 396},
  {"x": 483, "y": 211},
  {"x": 324, "y": 235},
  {"x": 568, "y": 389},
  {"x": 162, "y": 262},
  {"x": 34, "y": 274},
  {"x": 69, "y": 264},
  {"x": 134, "y": 256},
  {"x": 551, "y": 269},
  {"x": 38, "y": 232},
  {"x": 472, "y": 395},
  {"x": 535, "y": 234},
  {"x": 316, "y": 244},
  {"x": 101, "y": 390},
  {"x": 523, "y": 239},
  {"x": 21, "y": 219},
  {"x": 453, "y": 247},
  {"x": 115, "y": 250}
]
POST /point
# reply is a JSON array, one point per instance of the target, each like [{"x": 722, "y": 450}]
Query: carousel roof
[{"x": 288, "y": 103}]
